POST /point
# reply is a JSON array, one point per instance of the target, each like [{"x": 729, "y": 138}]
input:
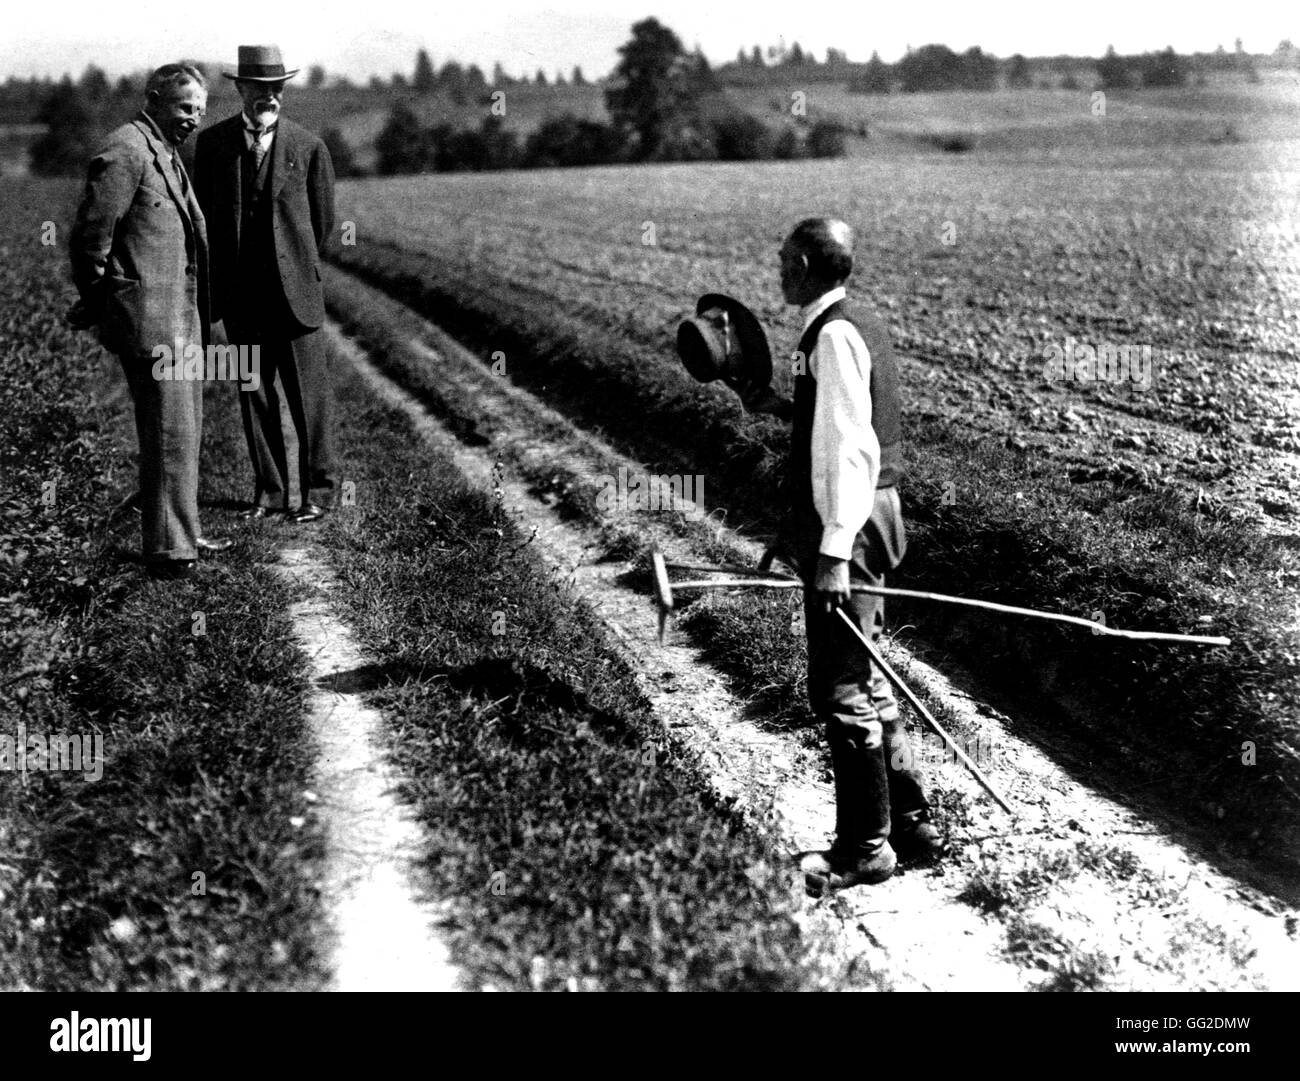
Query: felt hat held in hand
[{"x": 724, "y": 340}]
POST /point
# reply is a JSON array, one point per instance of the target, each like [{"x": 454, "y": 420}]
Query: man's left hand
[{"x": 832, "y": 582}]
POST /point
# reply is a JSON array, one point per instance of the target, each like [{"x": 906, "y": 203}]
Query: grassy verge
[
  {"x": 576, "y": 851},
  {"x": 179, "y": 867},
  {"x": 985, "y": 521}
]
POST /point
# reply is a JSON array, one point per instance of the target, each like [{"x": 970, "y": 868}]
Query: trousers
[
  {"x": 168, "y": 427},
  {"x": 299, "y": 366},
  {"x": 877, "y": 785}
]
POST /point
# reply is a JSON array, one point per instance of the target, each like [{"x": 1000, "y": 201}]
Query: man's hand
[
  {"x": 832, "y": 582},
  {"x": 761, "y": 399}
]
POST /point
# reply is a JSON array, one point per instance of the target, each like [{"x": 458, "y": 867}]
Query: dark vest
[
  {"x": 886, "y": 418},
  {"x": 259, "y": 272}
]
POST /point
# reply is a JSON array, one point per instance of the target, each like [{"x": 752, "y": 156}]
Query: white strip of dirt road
[{"x": 383, "y": 932}]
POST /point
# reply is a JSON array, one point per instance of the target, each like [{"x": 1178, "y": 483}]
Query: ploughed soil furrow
[{"x": 1075, "y": 891}]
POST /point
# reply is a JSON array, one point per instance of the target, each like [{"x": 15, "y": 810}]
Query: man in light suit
[
  {"x": 140, "y": 260},
  {"x": 266, "y": 186}
]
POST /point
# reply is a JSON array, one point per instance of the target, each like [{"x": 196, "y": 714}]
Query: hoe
[{"x": 748, "y": 578}]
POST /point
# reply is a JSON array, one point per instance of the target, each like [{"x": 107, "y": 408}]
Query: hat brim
[
  {"x": 236, "y": 77},
  {"x": 755, "y": 350}
]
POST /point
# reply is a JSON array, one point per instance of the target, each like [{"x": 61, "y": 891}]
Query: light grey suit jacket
[{"x": 139, "y": 247}]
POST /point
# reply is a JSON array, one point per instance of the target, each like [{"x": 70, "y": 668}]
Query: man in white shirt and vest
[{"x": 846, "y": 526}]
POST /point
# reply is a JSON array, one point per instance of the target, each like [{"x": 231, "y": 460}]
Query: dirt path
[
  {"x": 1100, "y": 889},
  {"x": 383, "y": 936}
]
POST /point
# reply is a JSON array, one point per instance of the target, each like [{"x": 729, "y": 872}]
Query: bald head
[{"x": 816, "y": 257}]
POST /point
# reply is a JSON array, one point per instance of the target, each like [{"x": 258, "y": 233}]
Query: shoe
[
  {"x": 825, "y": 872},
  {"x": 257, "y": 511},
  {"x": 310, "y": 512},
  {"x": 171, "y": 568},
  {"x": 212, "y": 547},
  {"x": 918, "y": 841}
]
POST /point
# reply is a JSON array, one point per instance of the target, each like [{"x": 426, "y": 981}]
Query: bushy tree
[
  {"x": 567, "y": 140},
  {"x": 1165, "y": 68},
  {"x": 652, "y": 99},
  {"x": 1018, "y": 76},
  {"x": 425, "y": 79},
  {"x": 341, "y": 154},
  {"x": 826, "y": 140},
  {"x": 740, "y": 136},
  {"x": 402, "y": 147},
  {"x": 72, "y": 132},
  {"x": 1114, "y": 70},
  {"x": 875, "y": 78}
]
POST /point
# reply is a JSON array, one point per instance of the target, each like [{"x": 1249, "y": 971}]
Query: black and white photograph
[{"x": 649, "y": 496}]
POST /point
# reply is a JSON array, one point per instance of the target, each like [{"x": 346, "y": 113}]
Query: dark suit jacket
[
  {"x": 302, "y": 194},
  {"x": 139, "y": 247}
]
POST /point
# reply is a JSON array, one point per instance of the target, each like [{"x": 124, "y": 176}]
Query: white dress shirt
[
  {"x": 252, "y": 133},
  {"x": 845, "y": 450}
]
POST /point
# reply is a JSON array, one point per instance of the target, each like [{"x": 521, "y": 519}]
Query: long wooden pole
[
  {"x": 967, "y": 602},
  {"x": 915, "y": 703}
]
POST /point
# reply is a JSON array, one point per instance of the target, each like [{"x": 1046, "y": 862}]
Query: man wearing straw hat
[{"x": 266, "y": 186}]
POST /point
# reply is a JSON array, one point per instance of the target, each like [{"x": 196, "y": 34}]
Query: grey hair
[
  {"x": 173, "y": 75},
  {"x": 828, "y": 244}
]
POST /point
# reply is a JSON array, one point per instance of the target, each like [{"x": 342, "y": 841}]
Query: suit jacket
[
  {"x": 139, "y": 247},
  {"x": 302, "y": 196}
]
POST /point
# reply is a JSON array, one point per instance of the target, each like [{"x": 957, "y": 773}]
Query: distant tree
[
  {"x": 700, "y": 77},
  {"x": 1114, "y": 70},
  {"x": 836, "y": 58},
  {"x": 931, "y": 67},
  {"x": 1018, "y": 76},
  {"x": 398, "y": 81},
  {"x": 826, "y": 140},
  {"x": 567, "y": 141},
  {"x": 93, "y": 86},
  {"x": 540, "y": 78},
  {"x": 402, "y": 147},
  {"x": 559, "y": 79},
  {"x": 315, "y": 77},
  {"x": 577, "y": 78},
  {"x": 740, "y": 136},
  {"x": 756, "y": 57},
  {"x": 875, "y": 78},
  {"x": 795, "y": 57},
  {"x": 376, "y": 83},
  {"x": 653, "y": 95},
  {"x": 978, "y": 70},
  {"x": 788, "y": 145},
  {"x": 72, "y": 131},
  {"x": 341, "y": 155},
  {"x": 475, "y": 80},
  {"x": 425, "y": 79},
  {"x": 1165, "y": 68}
]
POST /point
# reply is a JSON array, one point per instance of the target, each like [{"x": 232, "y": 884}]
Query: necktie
[
  {"x": 259, "y": 148},
  {"x": 179, "y": 170}
]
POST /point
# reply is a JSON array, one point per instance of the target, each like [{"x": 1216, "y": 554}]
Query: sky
[{"x": 359, "y": 38}]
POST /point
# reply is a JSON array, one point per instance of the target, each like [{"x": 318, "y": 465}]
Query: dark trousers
[
  {"x": 867, "y": 738},
  {"x": 168, "y": 427},
  {"x": 297, "y": 366}
]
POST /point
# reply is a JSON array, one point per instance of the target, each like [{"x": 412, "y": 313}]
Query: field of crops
[{"x": 1165, "y": 497}]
